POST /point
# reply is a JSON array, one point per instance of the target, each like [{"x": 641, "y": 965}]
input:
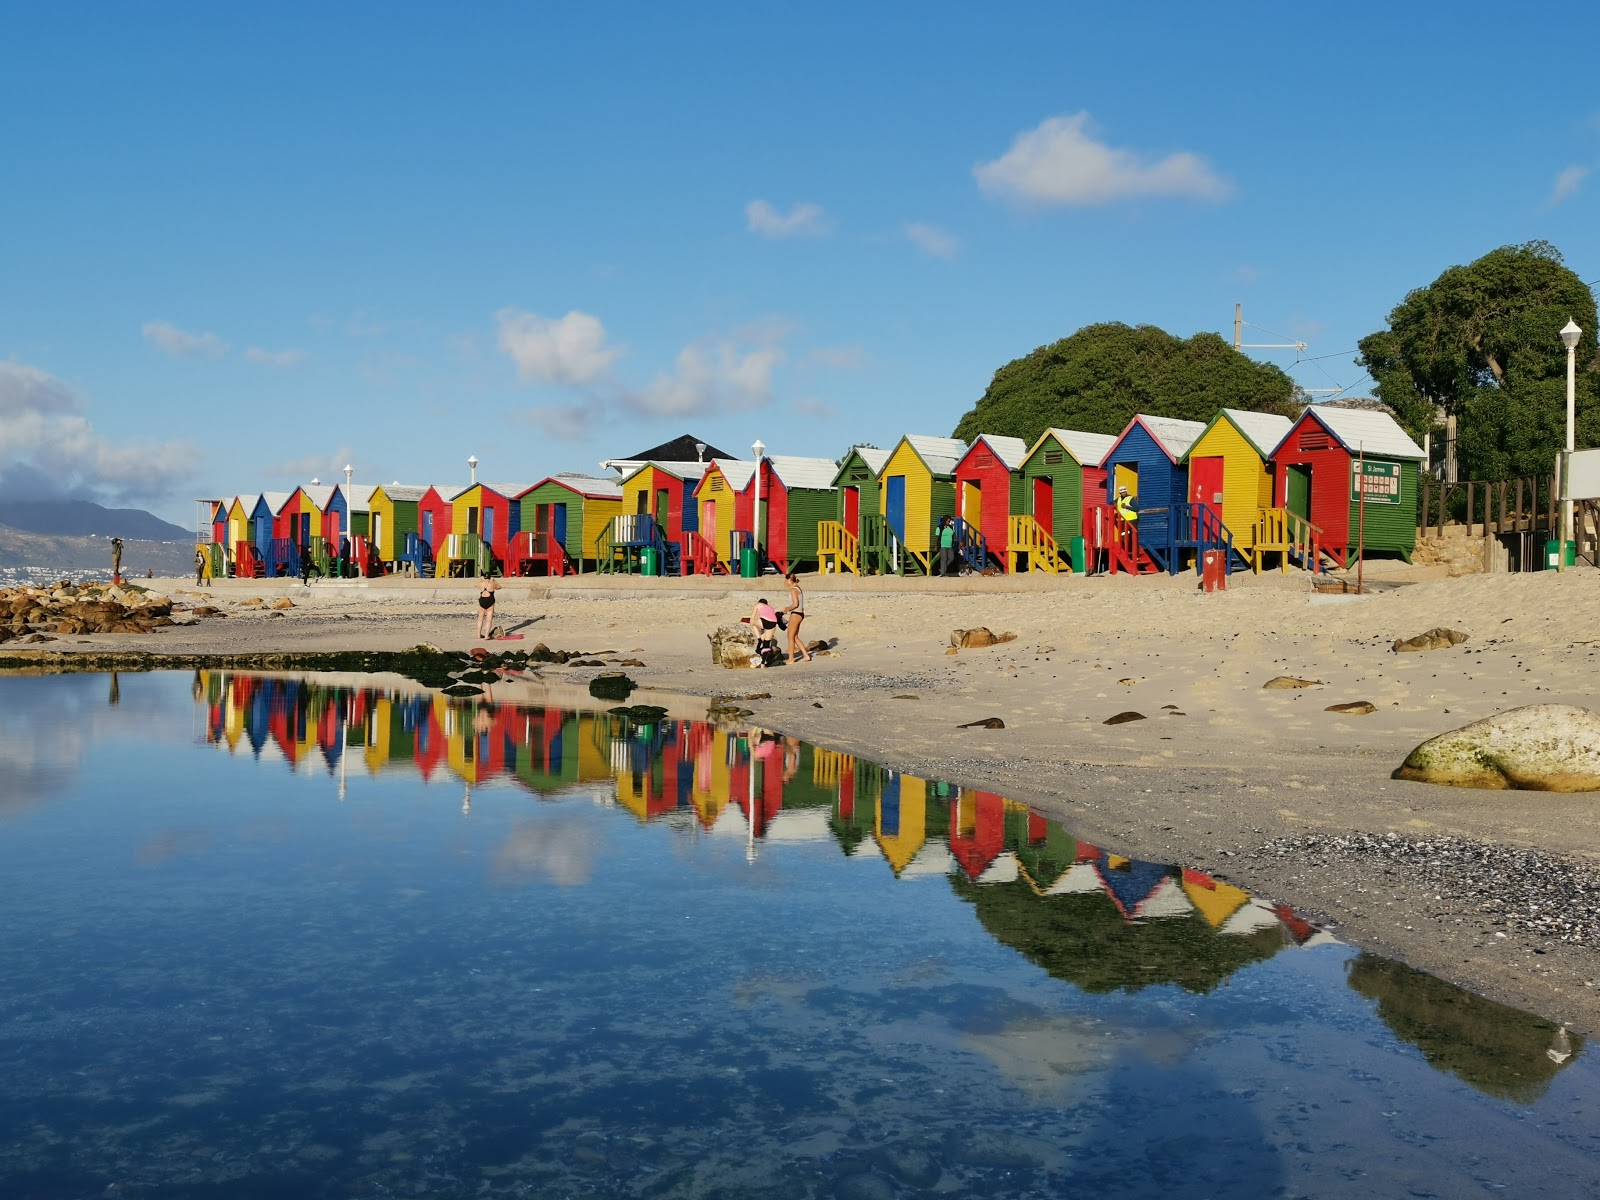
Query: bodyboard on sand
[{"x": 508, "y": 637}]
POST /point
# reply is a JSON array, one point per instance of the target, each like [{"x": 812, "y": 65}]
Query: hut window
[
  {"x": 858, "y": 475},
  {"x": 1315, "y": 439},
  {"x": 716, "y": 483},
  {"x": 1052, "y": 458},
  {"x": 983, "y": 460}
]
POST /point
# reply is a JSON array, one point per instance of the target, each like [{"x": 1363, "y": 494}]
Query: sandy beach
[{"x": 1252, "y": 784}]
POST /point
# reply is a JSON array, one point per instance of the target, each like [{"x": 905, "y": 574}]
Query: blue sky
[{"x": 241, "y": 247}]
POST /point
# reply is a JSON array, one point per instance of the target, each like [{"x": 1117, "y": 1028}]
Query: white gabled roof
[
  {"x": 404, "y": 492},
  {"x": 507, "y": 490},
  {"x": 448, "y": 492},
  {"x": 799, "y": 472},
  {"x": 1173, "y": 435},
  {"x": 1009, "y": 450},
  {"x": 737, "y": 471},
  {"x": 595, "y": 486},
  {"x": 276, "y": 500},
  {"x": 1262, "y": 430},
  {"x": 359, "y": 496},
  {"x": 1090, "y": 449},
  {"x": 871, "y": 455},
  {"x": 941, "y": 454},
  {"x": 319, "y": 494},
  {"x": 1368, "y": 432}
]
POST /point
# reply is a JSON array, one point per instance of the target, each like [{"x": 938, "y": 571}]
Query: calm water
[{"x": 264, "y": 937}]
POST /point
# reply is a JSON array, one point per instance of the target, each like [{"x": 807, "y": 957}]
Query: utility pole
[{"x": 1240, "y": 344}]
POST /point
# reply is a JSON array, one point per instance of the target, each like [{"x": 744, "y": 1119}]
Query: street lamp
[
  {"x": 1570, "y": 333},
  {"x": 759, "y": 450},
  {"x": 472, "y": 465}
]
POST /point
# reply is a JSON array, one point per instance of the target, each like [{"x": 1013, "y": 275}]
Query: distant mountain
[
  {"x": 83, "y": 518},
  {"x": 75, "y": 556}
]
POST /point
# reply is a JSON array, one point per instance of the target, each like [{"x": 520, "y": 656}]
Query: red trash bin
[{"x": 1214, "y": 572}]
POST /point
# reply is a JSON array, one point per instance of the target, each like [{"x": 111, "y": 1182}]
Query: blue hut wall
[{"x": 1162, "y": 483}]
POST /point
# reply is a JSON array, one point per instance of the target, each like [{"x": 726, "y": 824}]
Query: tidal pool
[{"x": 308, "y": 937}]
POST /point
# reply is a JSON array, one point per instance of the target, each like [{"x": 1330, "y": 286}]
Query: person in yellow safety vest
[{"x": 1126, "y": 507}]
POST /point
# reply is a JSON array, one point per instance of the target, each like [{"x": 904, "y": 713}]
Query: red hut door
[
  {"x": 1044, "y": 504},
  {"x": 1205, "y": 482},
  {"x": 852, "y": 510}
]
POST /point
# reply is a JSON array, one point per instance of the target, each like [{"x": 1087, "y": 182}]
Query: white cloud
[
  {"x": 180, "y": 343},
  {"x": 803, "y": 220},
  {"x": 839, "y": 358},
  {"x": 1061, "y": 163},
  {"x": 570, "y": 349},
  {"x": 564, "y": 422},
  {"x": 930, "y": 239},
  {"x": 1568, "y": 180},
  {"x": 810, "y": 406},
  {"x": 711, "y": 377},
  {"x": 46, "y": 438},
  {"x": 279, "y": 359},
  {"x": 329, "y": 468}
]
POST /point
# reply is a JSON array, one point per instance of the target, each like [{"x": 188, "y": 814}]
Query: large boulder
[
  {"x": 1438, "y": 638},
  {"x": 733, "y": 645},
  {"x": 1539, "y": 748}
]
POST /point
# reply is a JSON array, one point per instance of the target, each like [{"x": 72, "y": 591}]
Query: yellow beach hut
[
  {"x": 1229, "y": 470},
  {"x": 916, "y": 488}
]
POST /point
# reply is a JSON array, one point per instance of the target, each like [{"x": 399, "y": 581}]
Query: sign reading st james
[{"x": 1379, "y": 480}]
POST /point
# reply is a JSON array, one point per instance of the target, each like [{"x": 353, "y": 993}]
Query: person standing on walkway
[
  {"x": 486, "y": 591},
  {"x": 202, "y": 563},
  {"x": 947, "y": 546},
  {"x": 797, "y": 614}
]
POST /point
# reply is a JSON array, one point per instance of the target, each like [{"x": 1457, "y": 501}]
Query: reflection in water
[{"x": 675, "y": 959}]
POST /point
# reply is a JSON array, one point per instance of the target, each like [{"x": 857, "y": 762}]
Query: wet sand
[{"x": 1220, "y": 767}]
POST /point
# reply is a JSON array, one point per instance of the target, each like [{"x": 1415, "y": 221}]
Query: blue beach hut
[{"x": 1146, "y": 459}]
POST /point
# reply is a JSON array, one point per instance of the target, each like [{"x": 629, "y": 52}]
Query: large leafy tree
[
  {"x": 1098, "y": 378},
  {"x": 1481, "y": 343}
]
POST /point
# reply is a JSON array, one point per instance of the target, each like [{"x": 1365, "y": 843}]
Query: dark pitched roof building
[{"x": 679, "y": 449}]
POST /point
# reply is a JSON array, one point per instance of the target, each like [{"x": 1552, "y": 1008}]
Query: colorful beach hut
[
  {"x": 844, "y": 543},
  {"x": 1229, "y": 472},
  {"x": 1061, "y": 476},
  {"x": 563, "y": 519},
  {"x": 989, "y": 489},
  {"x": 658, "y": 512},
  {"x": 269, "y": 523},
  {"x": 1146, "y": 459},
  {"x": 392, "y": 524},
  {"x": 1315, "y": 482},
  {"x": 484, "y": 518},
  {"x": 434, "y": 518},
  {"x": 918, "y": 488},
  {"x": 796, "y": 495},
  {"x": 723, "y": 498}
]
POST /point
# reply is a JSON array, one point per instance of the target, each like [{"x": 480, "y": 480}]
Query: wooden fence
[{"x": 1530, "y": 505}]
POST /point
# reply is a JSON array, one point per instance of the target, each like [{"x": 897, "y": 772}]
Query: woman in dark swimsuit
[{"x": 486, "y": 606}]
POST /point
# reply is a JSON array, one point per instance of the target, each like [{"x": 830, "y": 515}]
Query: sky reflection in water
[{"x": 255, "y": 946}]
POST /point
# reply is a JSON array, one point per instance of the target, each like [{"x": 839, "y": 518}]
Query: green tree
[
  {"x": 1482, "y": 343},
  {"x": 1097, "y": 379}
]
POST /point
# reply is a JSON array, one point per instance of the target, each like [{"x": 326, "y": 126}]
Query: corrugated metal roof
[
  {"x": 1174, "y": 436},
  {"x": 1009, "y": 450},
  {"x": 678, "y": 470},
  {"x": 1090, "y": 449},
  {"x": 798, "y": 471},
  {"x": 1368, "y": 432},
  {"x": 591, "y": 486},
  {"x": 359, "y": 496},
  {"x": 873, "y": 457},
  {"x": 276, "y": 500},
  {"x": 737, "y": 471},
  {"x": 318, "y": 494},
  {"x": 941, "y": 454},
  {"x": 405, "y": 492},
  {"x": 1262, "y": 430},
  {"x": 500, "y": 489}
]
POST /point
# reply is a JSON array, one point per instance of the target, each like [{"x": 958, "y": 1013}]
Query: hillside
[
  {"x": 22, "y": 551},
  {"x": 83, "y": 518}
]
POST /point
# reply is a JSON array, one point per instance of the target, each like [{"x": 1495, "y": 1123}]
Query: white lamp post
[
  {"x": 1570, "y": 333},
  {"x": 472, "y": 465},
  {"x": 759, "y": 450}
]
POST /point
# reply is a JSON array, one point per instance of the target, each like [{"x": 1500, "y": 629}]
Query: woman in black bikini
[
  {"x": 486, "y": 606},
  {"x": 797, "y": 614}
]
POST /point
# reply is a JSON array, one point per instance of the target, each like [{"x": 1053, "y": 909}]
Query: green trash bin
[
  {"x": 650, "y": 561},
  {"x": 1078, "y": 552},
  {"x": 747, "y": 563},
  {"x": 1550, "y": 551}
]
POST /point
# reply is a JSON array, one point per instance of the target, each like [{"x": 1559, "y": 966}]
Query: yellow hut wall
[
  {"x": 918, "y": 532},
  {"x": 900, "y": 847},
  {"x": 1246, "y": 479},
  {"x": 381, "y": 513},
  {"x": 471, "y": 498},
  {"x": 641, "y": 481},
  {"x": 238, "y": 525},
  {"x": 724, "y": 499},
  {"x": 597, "y": 514}
]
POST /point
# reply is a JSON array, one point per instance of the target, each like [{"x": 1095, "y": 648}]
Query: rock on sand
[{"x": 1540, "y": 747}]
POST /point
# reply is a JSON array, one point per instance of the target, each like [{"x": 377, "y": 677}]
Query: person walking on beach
[
  {"x": 486, "y": 591},
  {"x": 947, "y": 547},
  {"x": 202, "y": 563},
  {"x": 797, "y": 614}
]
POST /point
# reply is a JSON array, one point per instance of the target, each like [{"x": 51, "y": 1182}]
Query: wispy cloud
[
  {"x": 278, "y": 359},
  {"x": 180, "y": 343},
  {"x": 930, "y": 239},
  {"x": 839, "y": 358},
  {"x": 1061, "y": 163},
  {"x": 1568, "y": 181},
  {"x": 570, "y": 349},
  {"x": 565, "y": 422},
  {"x": 329, "y": 468},
  {"x": 803, "y": 220},
  {"x": 46, "y": 439},
  {"x": 811, "y": 406},
  {"x": 710, "y": 376}
]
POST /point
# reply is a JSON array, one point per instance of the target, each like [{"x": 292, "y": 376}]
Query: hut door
[
  {"x": 1044, "y": 504},
  {"x": 972, "y": 503},
  {"x": 305, "y": 529},
  {"x": 1298, "y": 500},
  {"x": 894, "y": 504},
  {"x": 1205, "y": 482},
  {"x": 763, "y": 526},
  {"x": 427, "y": 528},
  {"x": 1127, "y": 476},
  {"x": 488, "y": 526},
  {"x": 377, "y": 532},
  {"x": 852, "y": 510},
  {"x": 663, "y": 509},
  {"x": 708, "y": 522},
  {"x": 541, "y": 529},
  {"x": 472, "y": 522}
]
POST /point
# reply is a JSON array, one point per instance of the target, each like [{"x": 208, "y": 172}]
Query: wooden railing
[
  {"x": 1522, "y": 505},
  {"x": 879, "y": 546},
  {"x": 1288, "y": 535},
  {"x": 837, "y": 548},
  {"x": 703, "y": 554},
  {"x": 1117, "y": 540},
  {"x": 1025, "y": 535}
]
